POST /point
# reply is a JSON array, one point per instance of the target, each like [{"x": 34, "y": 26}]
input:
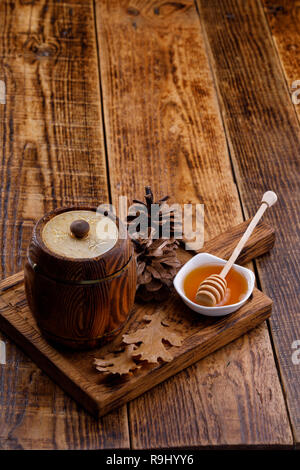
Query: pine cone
[
  {"x": 164, "y": 216},
  {"x": 157, "y": 262},
  {"x": 157, "y": 265}
]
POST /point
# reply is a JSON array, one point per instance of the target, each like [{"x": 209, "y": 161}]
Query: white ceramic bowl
[{"x": 206, "y": 258}]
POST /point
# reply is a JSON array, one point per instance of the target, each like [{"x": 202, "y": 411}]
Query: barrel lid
[
  {"x": 80, "y": 234},
  {"x": 79, "y": 243}
]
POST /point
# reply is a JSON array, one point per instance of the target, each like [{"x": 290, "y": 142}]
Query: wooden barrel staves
[{"x": 78, "y": 302}]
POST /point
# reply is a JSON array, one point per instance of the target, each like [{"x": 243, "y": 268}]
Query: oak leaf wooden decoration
[
  {"x": 151, "y": 338},
  {"x": 118, "y": 363}
]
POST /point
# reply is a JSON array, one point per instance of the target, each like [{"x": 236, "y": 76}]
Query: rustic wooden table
[{"x": 195, "y": 99}]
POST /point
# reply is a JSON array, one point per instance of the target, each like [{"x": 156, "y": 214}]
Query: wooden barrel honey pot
[{"x": 80, "y": 283}]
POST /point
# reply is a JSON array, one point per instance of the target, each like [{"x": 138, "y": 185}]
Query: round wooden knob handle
[{"x": 79, "y": 228}]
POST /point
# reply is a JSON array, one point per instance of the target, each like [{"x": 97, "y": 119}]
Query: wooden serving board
[{"x": 100, "y": 393}]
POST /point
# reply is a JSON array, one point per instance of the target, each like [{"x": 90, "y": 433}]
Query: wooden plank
[
  {"x": 52, "y": 154},
  {"x": 283, "y": 20},
  {"x": 163, "y": 128},
  {"x": 263, "y": 134},
  {"x": 99, "y": 393}
]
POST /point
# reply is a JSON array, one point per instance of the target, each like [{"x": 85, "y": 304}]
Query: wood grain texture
[
  {"x": 260, "y": 242},
  {"x": 283, "y": 18},
  {"x": 74, "y": 371},
  {"x": 52, "y": 154},
  {"x": 263, "y": 135},
  {"x": 163, "y": 128}
]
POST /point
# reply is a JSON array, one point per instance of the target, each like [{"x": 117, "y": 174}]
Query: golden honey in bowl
[{"x": 237, "y": 285}]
